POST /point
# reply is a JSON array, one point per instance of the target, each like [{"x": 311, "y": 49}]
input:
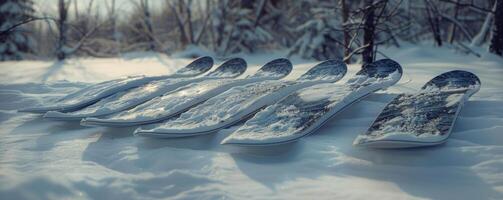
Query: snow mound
[{"x": 42, "y": 159}]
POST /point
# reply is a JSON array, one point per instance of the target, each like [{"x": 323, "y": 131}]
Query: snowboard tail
[{"x": 422, "y": 119}]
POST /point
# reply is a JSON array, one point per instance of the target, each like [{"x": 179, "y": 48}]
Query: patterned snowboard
[
  {"x": 422, "y": 119},
  {"x": 239, "y": 103},
  {"x": 182, "y": 99},
  {"x": 135, "y": 96},
  {"x": 94, "y": 93},
  {"x": 303, "y": 112}
]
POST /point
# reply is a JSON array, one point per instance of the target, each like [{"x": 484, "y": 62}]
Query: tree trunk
[
  {"x": 434, "y": 22},
  {"x": 347, "y": 38},
  {"x": 220, "y": 29},
  {"x": 180, "y": 23},
  {"x": 63, "y": 13},
  {"x": 452, "y": 32},
  {"x": 189, "y": 21},
  {"x": 485, "y": 29},
  {"x": 246, "y": 4},
  {"x": 497, "y": 36},
  {"x": 148, "y": 24},
  {"x": 368, "y": 33}
]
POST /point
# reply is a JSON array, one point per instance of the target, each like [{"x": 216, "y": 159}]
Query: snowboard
[
  {"x": 93, "y": 93},
  {"x": 129, "y": 98},
  {"x": 422, "y": 119},
  {"x": 182, "y": 99},
  {"x": 241, "y": 102},
  {"x": 303, "y": 112}
]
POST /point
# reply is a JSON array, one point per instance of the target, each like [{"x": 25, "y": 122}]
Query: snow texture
[{"x": 43, "y": 159}]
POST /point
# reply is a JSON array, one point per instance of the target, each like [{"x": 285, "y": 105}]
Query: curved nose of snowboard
[
  {"x": 381, "y": 68},
  {"x": 329, "y": 70},
  {"x": 456, "y": 79},
  {"x": 198, "y": 66},
  {"x": 230, "y": 68},
  {"x": 279, "y": 68}
]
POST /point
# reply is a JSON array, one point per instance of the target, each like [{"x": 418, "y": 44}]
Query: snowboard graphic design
[
  {"x": 303, "y": 112},
  {"x": 182, "y": 99},
  {"x": 241, "y": 102},
  {"x": 422, "y": 119},
  {"x": 94, "y": 93},
  {"x": 129, "y": 98}
]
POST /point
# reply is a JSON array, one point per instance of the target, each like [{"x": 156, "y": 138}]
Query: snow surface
[{"x": 42, "y": 159}]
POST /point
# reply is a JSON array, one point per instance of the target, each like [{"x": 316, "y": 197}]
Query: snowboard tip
[
  {"x": 198, "y": 66},
  {"x": 230, "y": 68},
  {"x": 279, "y": 67},
  {"x": 455, "y": 79},
  {"x": 381, "y": 68},
  {"x": 331, "y": 70}
]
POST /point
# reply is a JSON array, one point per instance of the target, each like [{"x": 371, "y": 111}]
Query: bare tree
[
  {"x": 496, "y": 46},
  {"x": 347, "y": 37},
  {"x": 452, "y": 32},
  {"x": 183, "y": 11},
  {"x": 433, "y": 21},
  {"x": 317, "y": 29},
  {"x": 148, "y": 24},
  {"x": 61, "y": 51},
  {"x": 485, "y": 28},
  {"x": 368, "y": 32}
]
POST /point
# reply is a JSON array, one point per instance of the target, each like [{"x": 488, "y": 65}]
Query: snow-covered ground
[{"x": 41, "y": 159}]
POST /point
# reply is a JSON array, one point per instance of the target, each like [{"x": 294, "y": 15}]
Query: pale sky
[{"x": 122, "y": 6}]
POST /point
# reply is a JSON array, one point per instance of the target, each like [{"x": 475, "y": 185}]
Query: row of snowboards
[{"x": 195, "y": 101}]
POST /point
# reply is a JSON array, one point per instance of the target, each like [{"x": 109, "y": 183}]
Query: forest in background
[{"x": 320, "y": 29}]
